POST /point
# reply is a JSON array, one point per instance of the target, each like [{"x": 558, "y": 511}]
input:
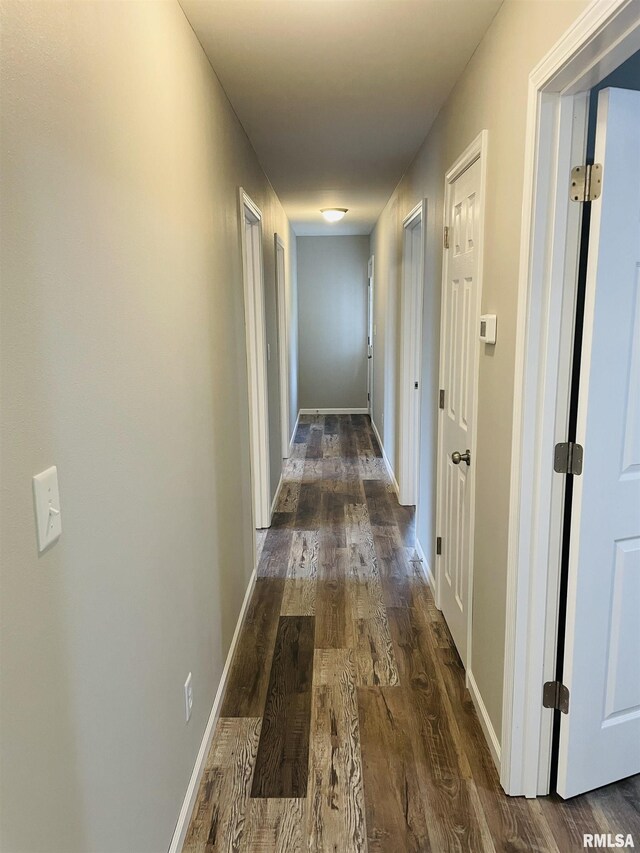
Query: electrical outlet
[{"x": 188, "y": 697}]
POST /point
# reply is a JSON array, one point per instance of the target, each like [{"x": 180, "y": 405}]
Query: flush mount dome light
[{"x": 333, "y": 214}]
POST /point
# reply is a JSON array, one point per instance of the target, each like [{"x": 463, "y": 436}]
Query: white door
[
  {"x": 283, "y": 344},
  {"x": 600, "y": 735},
  {"x": 411, "y": 353},
  {"x": 370, "y": 337},
  {"x": 458, "y": 380}
]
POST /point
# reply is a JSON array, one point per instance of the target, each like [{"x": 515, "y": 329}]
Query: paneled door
[
  {"x": 458, "y": 368},
  {"x": 600, "y": 734}
]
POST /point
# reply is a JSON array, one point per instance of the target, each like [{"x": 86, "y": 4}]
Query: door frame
[
  {"x": 283, "y": 341},
  {"x": 371, "y": 266},
  {"x": 477, "y": 150},
  {"x": 411, "y": 359},
  {"x": 603, "y": 37},
  {"x": 256, "y": 345}
]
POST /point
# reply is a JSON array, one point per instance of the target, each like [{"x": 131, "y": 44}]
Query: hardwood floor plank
[
  {"x": 274, "y": 558},
  {"x": 303, "y": 555},
  {"x": 314, "y": 442},
  {"x": 444, "y": 772},
  {"x": 282, "y": 764},
  {"x": 380, "y": 504},
  {"x": 274, "y": 826},
  {"x": 219, "y": 817},
  {"x": 248, "y": 679},
  {"x": 336, "y": 810},
  {"x": 395, "y": 813},
  {"x": 375, "y": 655},
  {"x": 348, "y": 440},
  {"x": 309, "y": 504},
  {"x": 332, "y": 666},
  {"x": 290, "y": 489},
  {"x": 299, "y": 598}
]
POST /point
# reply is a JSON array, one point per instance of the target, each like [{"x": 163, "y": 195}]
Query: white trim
[
  {"x": 283, "y": 340},
  {"x": 426, "y": 568},
  {"x": 411, "y": 357},
  {"x": 191, "y": 795},
  {"x": 256, "y": 346},
  {"x": 478, "y": 149},
  {"x": 485, "y": 721},
  {"x": 606, "y": 34},
  {"x": 333, "y": 412},
  {"x": 371, "y": 295},
  {"x": 386, "y": 459},
  {"x": 293, "y": 434}
]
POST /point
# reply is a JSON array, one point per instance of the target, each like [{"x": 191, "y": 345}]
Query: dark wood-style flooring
[{"x": 346, "y": 725}]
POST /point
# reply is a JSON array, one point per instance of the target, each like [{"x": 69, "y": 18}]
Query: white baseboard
[
  {"x": 485, "y": 722},
  {"x": 277, "y": 495},
  {"x": 387, "y": 463},
  {"x": 333, "y": 412},
  {"x": 293, "y": 434},
  {"x": 190, "y": 797},
  {"x": 426, "y": 568}
]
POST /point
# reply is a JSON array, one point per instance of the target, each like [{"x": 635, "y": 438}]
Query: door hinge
[
  {"x": 439, "y": 545},
  {"x": 555, "y": 695},
  {"x": 415, "y": 385},
  {"x": 445, "y": 236},
  {"x": 368, "y": 396},
  {"x": 441, "y": 403},
  {"x": 586, "y": 182},
  {"x": 567, "y": 458}
]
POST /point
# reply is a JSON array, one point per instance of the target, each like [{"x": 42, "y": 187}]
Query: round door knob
[{"x": 457, "y": 457}]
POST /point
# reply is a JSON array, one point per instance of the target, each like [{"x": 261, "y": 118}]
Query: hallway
[{"x": 346, "y": 724}]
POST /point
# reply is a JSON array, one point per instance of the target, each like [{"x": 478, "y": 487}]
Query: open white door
[{"x": 600, "y": 735}]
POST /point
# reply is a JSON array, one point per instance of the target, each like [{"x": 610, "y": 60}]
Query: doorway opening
[
  {"x": 283, "y": 343},
  {"x": 598, "y": 697},
  {"x": 255, "y": 327},
  {"x": 411, "y": 352}
]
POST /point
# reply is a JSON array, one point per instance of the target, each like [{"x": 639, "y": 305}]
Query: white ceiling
[{"x": 337, "y": 95}]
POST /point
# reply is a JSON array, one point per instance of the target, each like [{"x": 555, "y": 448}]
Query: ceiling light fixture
[{"x": 333, "y": 214}]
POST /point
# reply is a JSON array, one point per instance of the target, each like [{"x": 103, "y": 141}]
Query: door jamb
[
  {"x": 606, "y": 34},
  {"x": 411, "y": 361},
  {"x": 370, "y": 322},
  {"x": 283, "y": 343},
  {"x": 478, "y": 149},
  {"x": 256, "y": 337}
]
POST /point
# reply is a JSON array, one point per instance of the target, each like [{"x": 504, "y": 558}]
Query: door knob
[{"x": 457, "y": 457}]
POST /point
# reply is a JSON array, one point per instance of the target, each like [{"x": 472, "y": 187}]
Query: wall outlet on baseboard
[{"x": 188, "y": 697}]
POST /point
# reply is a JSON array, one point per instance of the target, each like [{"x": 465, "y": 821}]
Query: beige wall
[
  {"x": 332, "y": 319},
  {"x": 491, "y": 94},
  {"x": 123, "y": 363}
]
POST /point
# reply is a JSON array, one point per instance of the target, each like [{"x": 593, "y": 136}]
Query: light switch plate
[{"x": 46, "y": 499}]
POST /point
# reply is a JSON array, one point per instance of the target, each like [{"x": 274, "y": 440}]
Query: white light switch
[{"x": 46, "y": 498}]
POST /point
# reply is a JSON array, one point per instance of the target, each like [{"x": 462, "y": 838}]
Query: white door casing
[
  {"x": 370, "y": 286},
  {"x": 600, "y": 735},
  {"x": 256, "y": 344},
  {"x": 459, "y": 352},
  {"x": 283, "y": 343},
  {"x": 603, "y": 36},
  {"x": 411, "y": 353}
]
